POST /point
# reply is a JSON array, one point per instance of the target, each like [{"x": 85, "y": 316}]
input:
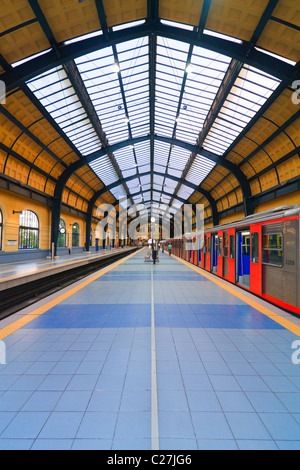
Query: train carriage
[{"x": 260, "y": 253}]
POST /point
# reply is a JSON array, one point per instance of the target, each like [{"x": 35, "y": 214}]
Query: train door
[
  {"x": 243, "y": 258},
  {"x": 214, "y": 253},
  {"x": 205, "y": 250},
  {"x": 255, "y": 267},
  {"x": 225, "y": 254}
]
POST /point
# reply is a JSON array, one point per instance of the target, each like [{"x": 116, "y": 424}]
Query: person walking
[
  {"x": 170, "y": 250},
  {"x": 154, "y": 252}
]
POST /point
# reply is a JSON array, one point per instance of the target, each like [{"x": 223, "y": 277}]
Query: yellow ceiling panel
[
  {"x": 50, "y": 187},
  {"x": 17, "y": 170},
  {"x": 259, "y": 162},
  {"x": 261, "y": 131},
  {"x": 245, "y": 147},
  {"x": 281, "y": 40},
  {"x": 248, "y": 170},
  {"x": 45, "y": 162},
  {"x": 84, "y": 206},
  {"x": 234, "y": 158},
  {"x": 3, "y": 156},
  {"x": 293, "y": 132},
  {"x": 8, "y": 131},
  {"x": 72, "y": 199},
  {"x": 289, "y": 169},
  {"x": 194, "y": 198},
  {"x": 65, "y": 196},
  {"x": 268, "y": 180},
  {"x": 282, "y": 109},
  {"x": 279, "y": 147},
  {"x": 232, "y": 199},
  {"x": 255, "y": 187},
  {"x": 235, "y": 18},
  {"x": 57, "y": 170},
  {"x": 58, "y": 148},
  {"x": 288, "y": 10},
  {"x": 181, "y": 11},
  {"x": 44, "y": 132},
  {"x": 20, "y": 106},
  {"x": 222, "y": 204},
  {"x": 23, "y": 43},
  {"x": 13, "y": 13},
  {"x": 124, "y": 11},
  {"x": 70, "y": 18},
  {"x": 27, "y": 148},
  {"x": 37, "y": 181}
]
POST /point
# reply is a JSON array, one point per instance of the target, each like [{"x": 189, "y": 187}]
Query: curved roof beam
[
  {"x": 206, "y": 194},
  {"x": 231, "y": 167},
  {"x": 66, "y": 52}
]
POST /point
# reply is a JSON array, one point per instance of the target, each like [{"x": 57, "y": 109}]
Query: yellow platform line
[
  {"x": 16, "y": 325},
  {"x": 264, "y": 310}
]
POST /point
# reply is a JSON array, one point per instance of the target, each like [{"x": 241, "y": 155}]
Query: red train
[{"x": 260, "y": 253}]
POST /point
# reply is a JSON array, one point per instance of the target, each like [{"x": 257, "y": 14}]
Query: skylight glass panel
[
  {"x": 55, "y": 92},
  {"x": 185, "y": 192},
  {"x": 205, "y": 73},
  {"x": 118, "y": 192},
  {"x": 126, "y": 159},
  {"x": 161, "y": 156},
  {"x": 170, "y": 68},
  {"x": 104, "y": 170},
  {"x": 249, "y": 93},
  {"x": 133, "y": 59},
  {"x": 178, "y": 160},
  {"x": 142, "y": 151},
  {"x": 200, "y": 168}
]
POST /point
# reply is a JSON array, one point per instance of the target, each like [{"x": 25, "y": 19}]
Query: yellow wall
[
  {"x": 10, "y": 202},
  {"x": 69, "y": 220},
  {"x": 289, "y": 199}
]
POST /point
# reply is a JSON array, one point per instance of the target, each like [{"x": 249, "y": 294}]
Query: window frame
[
  {"x": 27, "y": 230},
  {"x": 273, "y": 249}
]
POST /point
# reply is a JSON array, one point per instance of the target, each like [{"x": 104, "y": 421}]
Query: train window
[
  {"x": 225, "y": 245},
  {"x": 255, "y": 248},
  {"x": 28, "y": 230},
  {"x": 231, "y": 246},
  {"x": 220, "y": 246},
  {"x": 273, "y": 249},
  {"x": 208, "y": 245}
]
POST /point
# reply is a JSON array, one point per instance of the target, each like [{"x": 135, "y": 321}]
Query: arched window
[
  {"x": 62, "y": 233},
  {"x": 75, "y": 234},
  {"x": 28, "y": 230},
  {"x": 1, "y": 225}
]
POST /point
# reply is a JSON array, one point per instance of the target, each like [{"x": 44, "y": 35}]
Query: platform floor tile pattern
[{"x": 150, "y": 356}]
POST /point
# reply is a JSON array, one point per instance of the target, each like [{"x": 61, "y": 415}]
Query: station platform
[
  {"x": 12, "y": 274},
  {"x": 150, "y": 357}
]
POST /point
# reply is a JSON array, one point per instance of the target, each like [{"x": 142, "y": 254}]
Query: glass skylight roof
[
  {"x": 187, "y": 80},
  {"x": 56, "y": 94},
  {"x": 118, "y": 84},
  {"x": 249, "y": 93}
]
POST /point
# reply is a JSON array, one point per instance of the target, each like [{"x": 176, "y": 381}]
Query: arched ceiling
[{"x": 159, "y": 101}]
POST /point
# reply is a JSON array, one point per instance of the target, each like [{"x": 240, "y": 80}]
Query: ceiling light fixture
[{"x": 116, "y": 67}]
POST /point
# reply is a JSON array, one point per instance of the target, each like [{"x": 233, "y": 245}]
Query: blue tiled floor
[{"x": 79, "y": 376}]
